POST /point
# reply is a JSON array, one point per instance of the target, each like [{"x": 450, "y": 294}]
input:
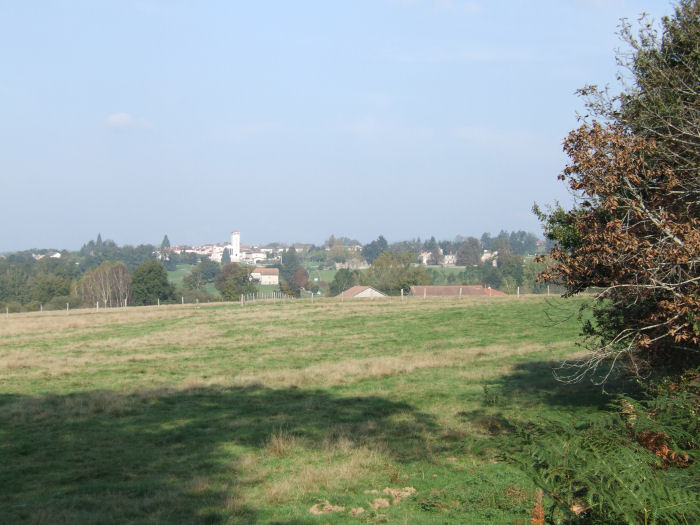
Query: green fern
[{"x": 598, "y": 471}]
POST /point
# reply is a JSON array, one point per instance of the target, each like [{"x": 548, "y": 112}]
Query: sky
[{"x": 291, "y": 120}]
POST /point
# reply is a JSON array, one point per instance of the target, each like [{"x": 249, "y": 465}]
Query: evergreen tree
[
  {"x": 374, "y": 249},
  {"x": 290, "y": 265}
]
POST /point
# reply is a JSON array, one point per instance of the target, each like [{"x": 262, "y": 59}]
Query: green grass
[
  {"x": 323, "y": 275},
  {"x": 176, "y": 276},
  {"x": 230, "y": 414}
]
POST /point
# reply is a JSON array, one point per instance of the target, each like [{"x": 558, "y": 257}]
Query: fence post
[
  {"x": 67, "y": 308},
  {"x": 182, "y": 298},
  {"x": 518, "y": 292},
  {"x": 460, "y": 293},
  {"x": 97, "y": 306},
  {"x": 159, "y": 302}
]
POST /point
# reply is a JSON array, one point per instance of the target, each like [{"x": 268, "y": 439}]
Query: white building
[
  {"x": 235, "y": 247},
  {"x": 449, "y": 259},
  {"x": 266, "y": 275}
]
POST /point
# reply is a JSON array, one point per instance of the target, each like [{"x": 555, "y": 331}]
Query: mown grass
[{"x": 263, "y": 413}]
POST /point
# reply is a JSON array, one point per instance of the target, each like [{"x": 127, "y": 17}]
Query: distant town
[{"x": 104, "y": 273}]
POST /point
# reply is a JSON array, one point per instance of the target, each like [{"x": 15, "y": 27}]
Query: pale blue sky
[{"x": 290, "y": 120}]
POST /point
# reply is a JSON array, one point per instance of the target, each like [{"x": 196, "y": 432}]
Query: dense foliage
[
  {"x": 150, "y": 285},
  {"x": 634, "y": 235},
  {"x": 393, "y": 272},
  {"x": 233, "y": 281},
  {"x": 634, "y": 462}
]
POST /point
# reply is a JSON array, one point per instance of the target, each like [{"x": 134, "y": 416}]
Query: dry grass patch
[
  {"x": 57, "y": 321},
  {"x": 281, "y": 444},
  {"x": 329, "y": 472},
  {"x": 352, "y": 370}
]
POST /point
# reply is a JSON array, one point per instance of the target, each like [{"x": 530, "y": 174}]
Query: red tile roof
[
  {"x": 267, "y": 271},
  {"x": 452, "y": 291},
  {"x": 355, "y": 290}
]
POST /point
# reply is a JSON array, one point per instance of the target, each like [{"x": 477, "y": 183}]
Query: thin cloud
[{"x": 126, "y": 121}]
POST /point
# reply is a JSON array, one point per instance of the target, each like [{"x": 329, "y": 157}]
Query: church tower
[{"x": 235, "y": 246}]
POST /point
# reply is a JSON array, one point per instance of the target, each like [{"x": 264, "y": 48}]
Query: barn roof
[
  {"x": 355, "y": 290},
  {"x": 452, "y": 291},
  {"x": 267, "y": 271}
]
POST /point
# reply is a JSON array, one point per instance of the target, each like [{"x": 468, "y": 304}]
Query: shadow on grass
[
  {"x": 534, "y": 383},
  {"x": 171, "y": 456},
  {"x": 531, "y": 397}
]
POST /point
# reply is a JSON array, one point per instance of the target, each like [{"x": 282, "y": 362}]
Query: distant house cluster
[{"x": 238, "y": 252}]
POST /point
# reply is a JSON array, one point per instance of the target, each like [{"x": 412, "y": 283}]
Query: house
[
  {"x": 352, "y": 264},
  {"x": 361, "y": 292},
  {"x": 489, "y": 257},
  {"x": 266, "y": 275},
  {"x": 452, "y": 291}
]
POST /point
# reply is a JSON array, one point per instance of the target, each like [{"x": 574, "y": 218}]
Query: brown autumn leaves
[{"x": 638, "y": 243}]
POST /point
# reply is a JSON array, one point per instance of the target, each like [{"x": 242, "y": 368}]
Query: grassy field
[
  {"x": 176, "y": 277},
  {"x": 292, "y": 413}
]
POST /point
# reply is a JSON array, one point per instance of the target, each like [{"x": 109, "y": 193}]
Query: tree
[
  {"x": 225, "y": 257},
  {"x": 511, "y": 266},
  {"x": 194, "y": 280},
  {"x": 209, "y": 270},
  {"x": 634, "y": 234},
  {"x": 42, "y": 287},
  {"x": 109, "y": 284},
  {"x": 374, "y": 249},
  {"x": 165, "y": 244},
  {"x": 469, "y": 253},
  {"x": 338, "y": 254},
  {"x": 301, "y": 279},
  {"x": 150, "y": 283},
  {"x": 290, "y": 265},
  {"x": 523, "y": 243},
  {"x": 392, "y": 272},
  {"x": 344, "y": 279},
  {"x": 233, "y": 281}
]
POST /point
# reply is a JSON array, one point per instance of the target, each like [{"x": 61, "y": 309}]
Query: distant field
[
  {"x": 176, "y": 276},
  {"x": 323, "y": 275},
  {"x": 274, "y": 412}
]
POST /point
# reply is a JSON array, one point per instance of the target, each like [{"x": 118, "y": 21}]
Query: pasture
[{"x": 382, "y": 411}]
